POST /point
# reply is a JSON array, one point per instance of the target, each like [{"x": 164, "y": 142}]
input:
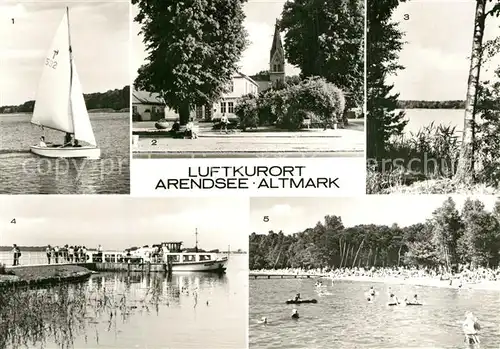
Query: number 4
[{"x": 13, "y": 221}]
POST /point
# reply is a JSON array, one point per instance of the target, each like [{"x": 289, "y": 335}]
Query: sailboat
[{"x": 59, "y": 103}]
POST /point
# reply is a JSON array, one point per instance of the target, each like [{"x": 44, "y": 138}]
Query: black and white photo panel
[{"x": 64, "y": 97}]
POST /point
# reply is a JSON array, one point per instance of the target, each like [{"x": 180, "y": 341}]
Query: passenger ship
[{"x": 170, "y": 253}]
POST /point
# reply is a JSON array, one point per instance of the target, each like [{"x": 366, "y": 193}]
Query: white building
[{"x": 147, "y": 106}]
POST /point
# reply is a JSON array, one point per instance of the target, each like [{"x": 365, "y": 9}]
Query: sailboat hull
[{"x": 67, "y": 152}]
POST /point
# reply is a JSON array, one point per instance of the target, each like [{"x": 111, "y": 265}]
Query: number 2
[{"x": 154, "y": 142}]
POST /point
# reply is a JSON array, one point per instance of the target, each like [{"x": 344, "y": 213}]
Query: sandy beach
[{"x": 425, "y": 281}]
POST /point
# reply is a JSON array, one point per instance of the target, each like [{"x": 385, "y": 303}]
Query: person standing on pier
[
  {"x": 48, "y": 251},
  {"x": 17, "y": 253},
  {"x": 56, "y": 254}
]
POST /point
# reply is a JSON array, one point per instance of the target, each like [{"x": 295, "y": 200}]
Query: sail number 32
[{"x": 51, "y": 63}]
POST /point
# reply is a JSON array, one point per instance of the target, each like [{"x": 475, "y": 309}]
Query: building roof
[
  {"x": 277, "y": 45},
  {"x": 144, "y": 97},
  {"x": 239, "y": 74}
]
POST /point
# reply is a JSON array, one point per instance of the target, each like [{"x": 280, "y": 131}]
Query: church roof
[{"x": 277, "y": 45}]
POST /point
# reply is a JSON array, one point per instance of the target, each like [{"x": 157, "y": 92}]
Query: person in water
[
  {"x": 371, "y": 292},
  {"x": 263, "y": 320},
  {"x": 42, "y": 142},
  {"x": 297, "y": 297},
  {"x": 393, "y": 299},
  {"x": 470, "y": 326},
  {"x": 295, "y": 314}
]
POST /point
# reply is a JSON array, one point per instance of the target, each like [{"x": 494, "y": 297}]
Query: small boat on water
[
  {"x": 59, "y": 103},
  {"x": 301, "y": 301}
]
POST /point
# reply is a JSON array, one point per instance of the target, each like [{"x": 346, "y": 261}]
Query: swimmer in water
[
  {"x": 393, "y": 299},
  {"x": 470, "y": 326},
  {"x": 295, "y": 314},
  {"x": 263, "y": 320},
  {"x": 371, "y": 292}
]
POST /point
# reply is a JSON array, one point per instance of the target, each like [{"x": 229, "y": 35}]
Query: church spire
[
  {"x": 277, "y": 45},
  {"x": 277, "y": 57}
]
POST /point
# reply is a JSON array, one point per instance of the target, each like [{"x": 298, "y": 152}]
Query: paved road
[
  {"x": 342, "y": 144},
  {"x": 217, "y": 155}
]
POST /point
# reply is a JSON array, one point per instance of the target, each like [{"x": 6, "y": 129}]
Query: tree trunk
[
  {"x": 375, "y": 260},
  {"x": 465, "y": 171},
  {"x": 184, "y": 113},
  {"x": 399, "y": 253},
  {"x": 357, "y": 252},
  {"x": 368, "y": 258}
]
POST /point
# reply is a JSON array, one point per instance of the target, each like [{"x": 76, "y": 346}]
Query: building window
[
  {"x": 134, "y": 109},
  {"x": 279, "y": 67},
  {"x": 275, "y": 67},
  {"x": 199, "y": 112},
  {"x": 230, "y": 107},
  {"x": 231, "y": 86},
  {"x": 222, "y": 107}
]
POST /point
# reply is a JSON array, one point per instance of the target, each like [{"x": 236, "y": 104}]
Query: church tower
[{"x": 277, "y": 58}]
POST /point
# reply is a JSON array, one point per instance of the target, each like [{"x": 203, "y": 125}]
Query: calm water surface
[
  {"x": 25, "y": 173},
  {"x": 120, "y": 310},
  {"x": 342, "y": 318},
  {"x": 418, "y": 118}
]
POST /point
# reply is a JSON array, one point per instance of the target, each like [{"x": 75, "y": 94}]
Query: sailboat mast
[
  {"x": 70, "y": 64},
  {"x": 196, "y": 235}
]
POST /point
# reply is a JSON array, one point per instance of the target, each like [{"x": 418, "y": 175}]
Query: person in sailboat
[
  {"x": 42, "y": 142},
  {"x": 67, "y": 140},
  {"x": 76, "y": 144}
]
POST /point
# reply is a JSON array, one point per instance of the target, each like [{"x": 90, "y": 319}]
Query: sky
[
  {"x": 292, "y": 215},
  {"x": 118, "y": 222},
  {"x": 100, "y": 34},
  {"x": 436, "y": 55},
  {"x": 260, "y": 19}
]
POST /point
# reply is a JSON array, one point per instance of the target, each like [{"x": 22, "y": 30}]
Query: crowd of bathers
[{"x": 463, "y": 273}]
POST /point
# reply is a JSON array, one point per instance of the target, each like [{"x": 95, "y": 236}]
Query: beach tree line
[
  {"x": 113, "y": 100},
  {"x": 448, "y": 238},
  {"x": 416, "y": 104},
  {"x": 194, "y": 47}
]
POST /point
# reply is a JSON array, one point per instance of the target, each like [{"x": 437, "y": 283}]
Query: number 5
[{"x": 266, "y": 219}]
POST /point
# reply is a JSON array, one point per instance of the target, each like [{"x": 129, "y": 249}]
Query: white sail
[
  {"x": 52, "y": 106},
  {"x": 81, "y": 120}
]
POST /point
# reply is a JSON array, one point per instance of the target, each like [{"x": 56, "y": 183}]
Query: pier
[
  {"x": 284, "y": 276},
  {"x": 106, "y": 266}
]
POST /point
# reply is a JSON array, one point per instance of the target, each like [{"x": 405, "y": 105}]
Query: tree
[
  {"x": 466, "y": 166},
  {"x": 384, "y": 41},
  {"x": 317, "y": 97},
  {"x": 247, "y": 111},
  {"x": 447, "y": 230},
  {"x": 193, "y": 48},
  {"x": 325, "y": 38}
]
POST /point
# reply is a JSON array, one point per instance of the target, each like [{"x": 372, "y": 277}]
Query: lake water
[
  {"x": 25, "y": 173},
  {"x": 418, "y": 118},
  {"x": 120, "y": 310},
  {"x": 342, "y": 318}
]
